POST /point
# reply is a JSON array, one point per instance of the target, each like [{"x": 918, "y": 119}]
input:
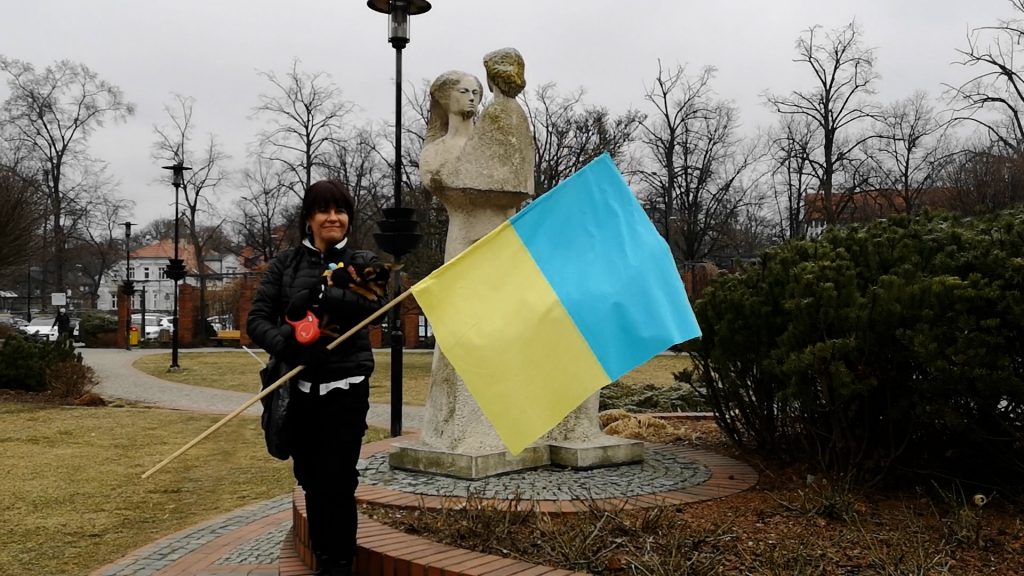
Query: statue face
[{"x": 464, "y": 97}]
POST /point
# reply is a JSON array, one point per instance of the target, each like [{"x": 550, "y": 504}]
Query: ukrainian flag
[{"x": 568, "y": 295}]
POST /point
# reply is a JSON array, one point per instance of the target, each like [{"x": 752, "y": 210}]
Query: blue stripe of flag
[{"x": 610, "y": 268}]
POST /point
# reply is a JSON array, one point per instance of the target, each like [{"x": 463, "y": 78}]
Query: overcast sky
[{"x": 211, "y": 50}]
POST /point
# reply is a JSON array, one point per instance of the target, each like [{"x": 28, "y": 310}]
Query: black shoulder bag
[
  {"x": 275, "y": 409},
  {"x": 275, "y": 405}
]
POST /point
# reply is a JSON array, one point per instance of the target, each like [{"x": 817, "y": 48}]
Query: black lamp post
[
  {"x": 175, "y": 266},
  {"x": 397, "y": 234},
  {"x": 128, "y": 288}
]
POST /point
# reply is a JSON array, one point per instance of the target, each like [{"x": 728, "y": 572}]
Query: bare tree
[
  {"x": 53, "y": 112},
  {"x": 568, "y": 133},
  {"x": 356, "y": 161},
  {"x": 998, "y": 86},
  {"x": 791, "y": 146},
  {"x": 174, "y": 144},
  {"x": 981, "y": 179},
  {"x": 98, "y": 246},
  {"x": 306, "y": 115},
  {"x": 264, "y": 209},
  {"x": 695, "y": 163},
  {"x": 156, "y": 230},
  {"x": 21, "y": 211},
  {"x": 909, "y": 151},
  {"x": 844, "y": 75}
]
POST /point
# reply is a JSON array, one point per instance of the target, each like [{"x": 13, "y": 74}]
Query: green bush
[
  {"x": 896, "y": 346},
  {"x": 24, "y": 362},
  {"x": 94, "y": 323}
]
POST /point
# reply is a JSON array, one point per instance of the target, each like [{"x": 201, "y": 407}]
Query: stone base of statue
[
  {"x": 596, "y": 453},
  {"x": 418, "y": 457},
  {"x": 578, "y": 442},
  {"x": 464, "y": 445}
]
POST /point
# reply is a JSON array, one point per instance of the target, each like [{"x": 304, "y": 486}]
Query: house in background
[
  {"x": 870, "y": 205},
  {"x": 153, "y": 290}
]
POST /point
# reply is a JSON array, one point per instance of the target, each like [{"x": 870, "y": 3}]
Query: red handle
[{"x": 307, "y": 330}]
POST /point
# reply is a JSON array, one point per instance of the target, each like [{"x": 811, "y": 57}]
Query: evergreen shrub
[
  {"x": 94, "y": 325},
  {"x": 891, "y": 347},
  {"x": 24, "y": 362}
]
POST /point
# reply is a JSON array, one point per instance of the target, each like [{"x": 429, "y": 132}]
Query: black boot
[
  {"x": 324, "y": 565},
  {"x": 327, "y": 566}
]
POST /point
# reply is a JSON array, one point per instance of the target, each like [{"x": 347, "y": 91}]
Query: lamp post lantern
[
  {"x": 175, "y": 266},
  {"x": 397, "y": 234}
]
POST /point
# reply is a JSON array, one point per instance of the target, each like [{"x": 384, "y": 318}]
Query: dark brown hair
[{"x": 322, "y": 196}]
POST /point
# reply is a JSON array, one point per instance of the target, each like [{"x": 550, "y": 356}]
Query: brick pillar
[
  {"x": 688, "y": 283},
  {"x": 410, "y": 318},
  {"x": 247, "y": 292},
  {"x": 188, "y": 299},
  {"x": 124, "y": 313},
  {"x": 376, "y": 336},
  {"x": 410, "y": 330}
]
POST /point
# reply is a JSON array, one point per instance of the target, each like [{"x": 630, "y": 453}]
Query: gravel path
[{"x": 119, "y": 380}]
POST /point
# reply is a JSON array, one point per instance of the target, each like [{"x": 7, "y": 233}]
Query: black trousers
[{"x": 326, "y": 433}]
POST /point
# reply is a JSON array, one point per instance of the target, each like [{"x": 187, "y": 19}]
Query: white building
[{"x": 147, "y": 272}]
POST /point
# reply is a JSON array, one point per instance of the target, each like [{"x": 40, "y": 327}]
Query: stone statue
[
  {"x": 499, "y": 155},
  {"x": 482, "y": 173},
  {"x": 454, "y": 99}
]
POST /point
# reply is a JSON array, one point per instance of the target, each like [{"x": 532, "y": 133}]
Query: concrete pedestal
[
  {"x": 419, "y": 457},
  {"x": 596, "y": 453}
]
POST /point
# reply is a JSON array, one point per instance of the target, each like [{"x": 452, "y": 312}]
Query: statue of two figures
[{"x": 482, "y": 170}]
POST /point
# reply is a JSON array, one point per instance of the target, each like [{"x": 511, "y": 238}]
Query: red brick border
[{"x": 385, "y": 551}]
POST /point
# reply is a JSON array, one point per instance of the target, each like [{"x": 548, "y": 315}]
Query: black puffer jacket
[{"x": 299, "y": 269}]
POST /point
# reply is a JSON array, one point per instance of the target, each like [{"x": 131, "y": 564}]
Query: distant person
[{"x": 63, "y": 324}]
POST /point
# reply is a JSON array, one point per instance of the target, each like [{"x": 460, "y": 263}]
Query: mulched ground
[
  {"x": 21, "y": 397},
  {"x": 791, "y": 523}
]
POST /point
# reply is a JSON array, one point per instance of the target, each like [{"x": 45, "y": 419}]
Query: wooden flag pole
[{"x": 275, "y": 385}]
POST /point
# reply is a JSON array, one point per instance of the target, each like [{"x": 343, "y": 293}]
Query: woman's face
[
  {"x": 464, "y": 97},
  {"x": 328, "y": 226}
]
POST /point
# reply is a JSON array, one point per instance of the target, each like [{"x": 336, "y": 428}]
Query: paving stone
[{"x": 662, "y": 470}]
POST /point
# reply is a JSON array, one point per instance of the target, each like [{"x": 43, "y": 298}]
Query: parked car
[
  {"x": 12, "y": 321},
  {"x": 40, "y": 328},
  {"x": 154, "y": 324}
]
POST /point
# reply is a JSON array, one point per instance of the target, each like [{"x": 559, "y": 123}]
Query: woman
[{"x": 330, "y": 399}]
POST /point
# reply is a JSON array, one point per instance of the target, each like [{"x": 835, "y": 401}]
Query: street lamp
[
  {"x": 397, "y": 234},
  {"x": 175, "y": 266},
  {"x": 128, "y": 287}
]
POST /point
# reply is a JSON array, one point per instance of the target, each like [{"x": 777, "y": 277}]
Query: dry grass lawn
[
  {"x": 73, "y": 499},
  {"x": 239, "y": 372}
]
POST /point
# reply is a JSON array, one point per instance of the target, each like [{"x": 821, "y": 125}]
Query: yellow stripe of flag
[{"x": 509, "y": 338}]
